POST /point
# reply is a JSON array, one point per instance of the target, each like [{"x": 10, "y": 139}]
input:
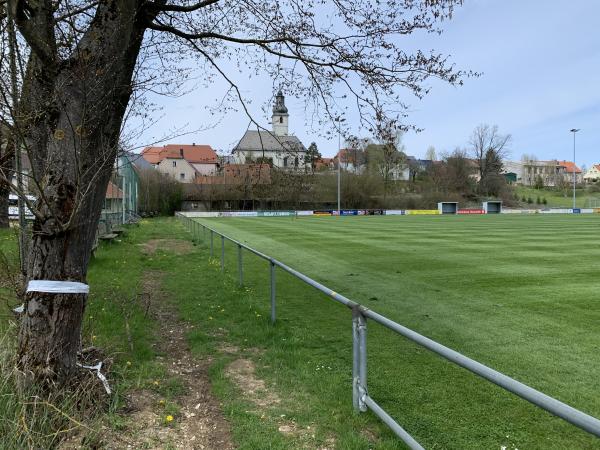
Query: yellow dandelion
[
  {"x": 155, "y": 383},
  {"x": 169, "y": 418},
  {"x": 129, "y": 363}
]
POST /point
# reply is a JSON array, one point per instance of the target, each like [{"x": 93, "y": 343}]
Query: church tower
[{"x": 280, "y": 116}]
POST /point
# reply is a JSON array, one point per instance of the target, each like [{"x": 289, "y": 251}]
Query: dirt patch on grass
[
  {"x": 197, "y": 420},
  {"x": 224, "y": 347},
  {"x": 305, "y": 436},
  {"x": 242, "y": 373},
  {"x": 177, "y": 246}
]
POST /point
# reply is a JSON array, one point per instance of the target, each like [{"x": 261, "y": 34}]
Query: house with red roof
[
  {"x": 550, "y": 172},
  {"x": 352, "y": 160},
  {"x": 183, "y": 162},
  {"x": 593, "y": 174},
  {"x": 569, "y": 169},
  {"x": 113, "y": 198}
]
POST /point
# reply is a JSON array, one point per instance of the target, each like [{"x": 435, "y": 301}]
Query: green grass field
[
  {"x": 518, "y": 293},
  {"x": 559, "y": 199}
]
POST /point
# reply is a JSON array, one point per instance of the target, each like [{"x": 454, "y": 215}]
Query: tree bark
[
  {"x": 4, "y": 193},
  {"x": 72, "y": 141}
]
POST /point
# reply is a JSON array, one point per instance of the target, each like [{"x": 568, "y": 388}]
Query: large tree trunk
[
  {"x": 5, "y": 192},
  {"x": 73, "y": 145}
]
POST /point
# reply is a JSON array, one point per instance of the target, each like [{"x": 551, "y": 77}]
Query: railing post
[
  {"x": 355, "y": 360},
  {"x": 272, "y": 291},
  {"x": 362, "y": 368},
  {"x": 359, "y": 360},
  {"x": 204, "y": 233},
  {"x": 211, "y": 244},
  {"x": 222, "y": 254},
  {"x": 240, "y": 266}
]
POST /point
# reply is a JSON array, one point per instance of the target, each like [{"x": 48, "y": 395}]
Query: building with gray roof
[{"x": 276, "y": 147}]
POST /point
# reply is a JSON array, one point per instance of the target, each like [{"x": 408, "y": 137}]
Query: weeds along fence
[{"x": 361, "y": 399}]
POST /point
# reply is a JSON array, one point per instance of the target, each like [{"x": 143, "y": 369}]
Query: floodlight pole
[
  {"x": 339, "y": 120},
  {"x": 339, "y": 174},
  {"x": 574, "y": 131}
]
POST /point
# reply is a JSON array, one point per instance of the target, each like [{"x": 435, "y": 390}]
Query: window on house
[
  {"x": 174, "y": 163},
  {"x": 281, "y": 120},
  {"x": 296, "y": 162},
  {"x": 285, "y": 161},
  {"x": 182, "y": 176}
]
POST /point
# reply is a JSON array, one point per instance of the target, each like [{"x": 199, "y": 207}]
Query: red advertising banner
[{"x": 471, "y": 211}]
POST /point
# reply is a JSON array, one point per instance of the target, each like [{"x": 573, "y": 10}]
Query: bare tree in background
[
  {"x": 82, "y": 62},
  {"x": 354, "y": 156},
  {"x": 6, "y": 161},
  {"x": 488, "y": 148},
  {"x": 459, "y": 172},
  {"x": 6, "y": 141},
  {"x": 430, "y": 154},
  {"x": 387, "y": 158}
]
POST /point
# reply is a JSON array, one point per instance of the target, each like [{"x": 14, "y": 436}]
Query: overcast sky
[{"x": 540, "y": 61}]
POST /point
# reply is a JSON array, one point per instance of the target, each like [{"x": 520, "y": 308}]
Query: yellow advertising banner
[
  {"x": 422, "y": 211},
  {"x": 597, "y": 210}
]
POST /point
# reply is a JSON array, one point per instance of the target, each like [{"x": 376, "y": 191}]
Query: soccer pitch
[{"x": 517, "y": 293}]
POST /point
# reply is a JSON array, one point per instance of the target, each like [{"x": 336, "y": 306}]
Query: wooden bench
[{"x": 108, "y": 237}]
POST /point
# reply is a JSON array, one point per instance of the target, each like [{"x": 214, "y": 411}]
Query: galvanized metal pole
[
  {"x": 240, "y": 266},
  {"x": 222, "y": 253},
  {"x": 272, "y": 291},
  {"x": 400, "y": 432},
  {"x": 355, "y": 361},
  {"x": 574, "y": 130},
  {"x": 362, "y": 366},
  {"x": 211, "y": 244},
  {"x": 124, "y": 190},
  {"x": 339, "y": 174}
]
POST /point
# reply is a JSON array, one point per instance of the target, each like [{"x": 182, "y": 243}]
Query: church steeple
[{"x": 280, "y": 116}]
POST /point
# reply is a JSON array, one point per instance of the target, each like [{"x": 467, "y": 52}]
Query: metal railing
[{"x": 361, "y": 399}]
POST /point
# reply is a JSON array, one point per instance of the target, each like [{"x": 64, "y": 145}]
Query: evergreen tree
[{"x": 312, "y": 155}]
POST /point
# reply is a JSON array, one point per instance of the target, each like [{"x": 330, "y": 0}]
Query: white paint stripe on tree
[{"x": 58, "y": 287}]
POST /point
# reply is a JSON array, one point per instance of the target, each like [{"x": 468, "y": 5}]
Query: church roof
[{"x": 264, "y": 140}]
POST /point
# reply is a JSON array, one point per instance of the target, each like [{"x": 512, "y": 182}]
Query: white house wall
[
  {"x": 245, "y": 157},
  {"x": 181, "y": 171},
  {"x": 205, "y": 169}
]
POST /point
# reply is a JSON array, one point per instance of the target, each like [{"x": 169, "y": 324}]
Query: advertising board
[
  {"x": 422, "y": 212},
  {"x": 471, "y": 211}
]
